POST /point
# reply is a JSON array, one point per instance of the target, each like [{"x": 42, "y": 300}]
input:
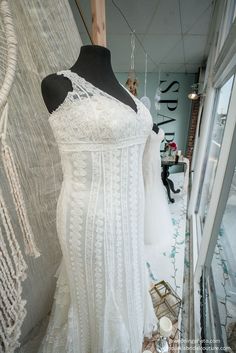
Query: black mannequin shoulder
[
  {"x": 54, "y": 90},
  {"x": 155, "y": 128}
]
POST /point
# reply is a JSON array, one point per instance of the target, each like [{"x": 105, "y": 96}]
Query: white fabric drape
[{"x": 48, "y": 40}]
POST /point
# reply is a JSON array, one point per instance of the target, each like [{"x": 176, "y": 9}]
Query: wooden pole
[{"x": 98, "y": 22}]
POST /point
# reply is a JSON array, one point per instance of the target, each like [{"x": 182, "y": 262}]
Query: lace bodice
[{"x": 97, "y": 117}]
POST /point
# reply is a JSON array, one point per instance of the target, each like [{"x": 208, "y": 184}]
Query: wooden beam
[{"x": 98, "y": 22}]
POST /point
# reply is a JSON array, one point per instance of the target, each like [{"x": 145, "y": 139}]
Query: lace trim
[
  {"x": 115, "y": 335},
  {"x": 134, "y": 221},
  {"x": 97, "y": 120},
  {"x": 101, "y": 146},
  {"x": 99, "y": 277},
  {"x": 117, "y": 160},
  {"x": 90, "y": 250},
  {"x": 90, "y": 90},
  {"x": 77, "y": 223},
  {"x": 126, "y": 240}
]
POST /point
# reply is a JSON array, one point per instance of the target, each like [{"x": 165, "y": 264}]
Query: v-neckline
[{"x": 104, "y": 93}]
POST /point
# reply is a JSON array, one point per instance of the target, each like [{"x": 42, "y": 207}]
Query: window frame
[
  {"x": 205, "y": 238},
  {"x": 203, "y": 241}
]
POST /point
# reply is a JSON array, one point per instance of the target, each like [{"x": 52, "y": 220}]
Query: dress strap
[
  {"x": 86, "y": 89},
  {"x": 78, "y": 92},
  {"x": 80, "y": 87}
]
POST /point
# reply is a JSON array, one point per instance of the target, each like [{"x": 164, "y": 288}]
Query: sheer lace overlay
[
  {"x": 156, "y": 228},
  {"x": 102, "y": 303}
]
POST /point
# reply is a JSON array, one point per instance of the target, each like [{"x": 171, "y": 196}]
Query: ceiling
[{"x": 174, "y": 33}]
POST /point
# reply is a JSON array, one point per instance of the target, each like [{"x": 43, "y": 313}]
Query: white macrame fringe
[
  {"x": 14, "y": 183},
  {"x": 13, "y": 179},
  {"x": 12, "y": 263},
  {"x": 13, "y": 272},
  {"x": 10, "y": 65}
]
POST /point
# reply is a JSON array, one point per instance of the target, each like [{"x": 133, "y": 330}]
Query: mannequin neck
[
  {"x": 94, "y": 62},
  {"x": 94, "y": 65}
]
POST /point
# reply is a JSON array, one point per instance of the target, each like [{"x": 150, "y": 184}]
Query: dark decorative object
[{"x": 167, "y": 182}]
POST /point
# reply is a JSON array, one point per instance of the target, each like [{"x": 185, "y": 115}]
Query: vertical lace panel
[
  {"x": 92, "y": 253},
  {"x": 76, "y": 244}
]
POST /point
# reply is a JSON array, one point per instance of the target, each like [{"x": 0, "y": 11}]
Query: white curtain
[{"x": 48, "y": 41}]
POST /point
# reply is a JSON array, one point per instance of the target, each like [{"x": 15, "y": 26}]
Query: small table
[{"x": 166, "y": 163}]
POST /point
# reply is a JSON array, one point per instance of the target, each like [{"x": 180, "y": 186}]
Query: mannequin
[
  {"x": 102, "y": 304},
  {"x": 94, "y": 65}
]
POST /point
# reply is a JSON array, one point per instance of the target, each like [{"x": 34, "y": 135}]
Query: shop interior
[{"x": 177, "y": 60}]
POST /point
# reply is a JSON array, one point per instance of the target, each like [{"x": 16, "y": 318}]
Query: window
[
  {"x": 212, "y": 206},
  {"x": 215, "y": 270},
  {"x": 222, "y": 280},
  {"x": 223, "y": 99},
  {"x": 229, "y": 12}
]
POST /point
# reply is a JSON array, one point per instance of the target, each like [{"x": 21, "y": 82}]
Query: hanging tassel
[
  {"x": 13, "y": 273},
  {"x": 20, "y": 265},
  {"x": 12, "y": 176},
  {"x": 13, "y": 179}
]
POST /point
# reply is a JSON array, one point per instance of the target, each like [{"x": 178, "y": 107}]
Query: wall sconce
[{"x": 194, "y": 95}]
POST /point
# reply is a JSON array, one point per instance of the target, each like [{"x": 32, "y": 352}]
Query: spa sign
[{"x": 169, "y": 94}]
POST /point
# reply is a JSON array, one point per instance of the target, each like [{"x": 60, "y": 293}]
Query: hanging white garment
[
  {"x": 158, "y": 223},
  {"x": 102, "y": 303}
]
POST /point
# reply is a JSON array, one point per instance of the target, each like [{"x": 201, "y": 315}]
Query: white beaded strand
[
  {"x": 12, "y": 264},
  {"x": 13, "y": 272},
  {"x": 19, "y": 262},
  {"x": 12, "y": 176}
]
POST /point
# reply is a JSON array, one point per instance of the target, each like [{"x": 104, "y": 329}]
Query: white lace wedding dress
[{"x": 102, "y": 303}]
